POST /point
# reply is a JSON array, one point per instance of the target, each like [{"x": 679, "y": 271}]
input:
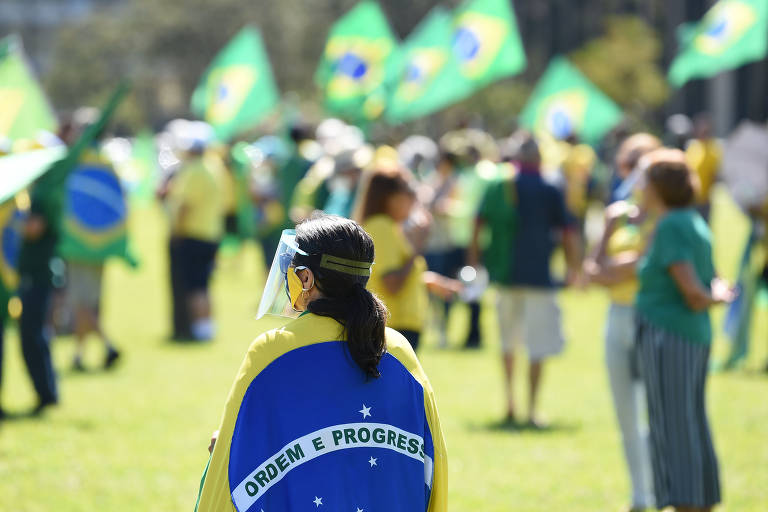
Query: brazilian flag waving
[
  {"x": 486, "y": 41},
  {"x": 565, "y": 102},
  {"x": 95, "y": 213},
  {"x": 732, "y": 32},
  {"x": 238, "y": 89},
  {"x": 448, "y": 58},
  {"x": 358, "y": 60},
  {"x": 24, "y": 110},
  {"x": 428, "y": 78}
]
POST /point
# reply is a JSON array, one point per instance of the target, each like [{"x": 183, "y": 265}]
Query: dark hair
[
  {"x": 671, "y": 178},
  {"x": 381, "y": 186},
  {"x": 345, "y": 298}
]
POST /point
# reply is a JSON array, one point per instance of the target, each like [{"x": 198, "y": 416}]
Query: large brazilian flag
[
  {"x": 429, "y": 70},
  {"x": 238, "y": 90},
  {"x": 565, "y": 102},
  {"x": 95, "y": 212},
  {"x": 24, "y": 110},
  {"x": 304, "y": 428},
  {"x": 448, "y": 58},
  {"x": 358, "y": 61},
  {"x": 486, "y": 41},
  {"x": 732, "y": 33}
]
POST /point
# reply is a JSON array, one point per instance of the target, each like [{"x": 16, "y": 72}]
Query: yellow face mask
[{"x": 295, "y": 287}]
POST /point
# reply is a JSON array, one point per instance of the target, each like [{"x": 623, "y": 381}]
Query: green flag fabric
[
  {"x": 565, "y": 102},
  {"x": 144, "y": 166},
  {"x": 24, "y": 110},
  {"x": 486, "y": 41},
  {"x": 238, "y": 89},
  {"x": 19, "y": 170},
  {"x": 732, "y": 33},
  {"x": 358, "y": 61},
  {"x": 430, "y": 75},
  {"x": 447, "y": 58},
  {"x": 95, "y": 214}
]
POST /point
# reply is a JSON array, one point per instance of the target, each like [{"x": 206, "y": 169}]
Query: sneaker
[{"x": 111, "y": 358}]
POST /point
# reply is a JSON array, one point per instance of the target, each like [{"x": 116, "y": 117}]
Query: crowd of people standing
[{"x": 445, "y": 217}]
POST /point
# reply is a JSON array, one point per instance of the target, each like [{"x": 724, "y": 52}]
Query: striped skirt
[{"x": 682, "y": 455}]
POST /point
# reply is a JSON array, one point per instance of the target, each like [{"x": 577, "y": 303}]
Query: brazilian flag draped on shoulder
[
  {"x": 732, "y": 33},
  {"x": 448, "y": 58},
  {"x": 238, "y": 90},
  {"x": 358, "y": 61},
  {"x": 429, "y": 71},
  {"x": 95, "y": 212},
  {"x": 565, "y": 102},
  {"x": 24, "y": 109},
  {"x": 304, "y": 428}
]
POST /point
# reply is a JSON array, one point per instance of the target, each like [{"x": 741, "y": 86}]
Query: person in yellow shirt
[
  {"x": 612, "y": 264},
  {"x": 400, "y": 277},
  {"x": 197, "y": 208},
  {"x": 704, "y": 156}
]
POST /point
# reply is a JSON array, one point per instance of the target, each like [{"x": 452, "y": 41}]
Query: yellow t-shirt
[
  {"x": 577, "y": 169},
  {"x": 407, "y": 307},
  {"x": 704, "y": 158},
  {"x": 625, "y": 239},
  {"x": 197, "y": 203}
]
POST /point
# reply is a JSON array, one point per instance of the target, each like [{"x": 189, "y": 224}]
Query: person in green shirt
[{"x": 678, "y": 285}]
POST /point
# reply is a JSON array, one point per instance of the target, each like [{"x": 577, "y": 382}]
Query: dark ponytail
[{"x": 362, "y": 315}]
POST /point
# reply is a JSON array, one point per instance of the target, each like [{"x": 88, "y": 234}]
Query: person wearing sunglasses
[{"x": 333, "y": 409}]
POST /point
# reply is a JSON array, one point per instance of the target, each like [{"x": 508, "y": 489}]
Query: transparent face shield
[{"x": 274, "y": 299}]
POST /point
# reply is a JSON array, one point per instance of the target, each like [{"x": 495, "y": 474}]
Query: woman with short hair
[{"x": 678, "y": 285}]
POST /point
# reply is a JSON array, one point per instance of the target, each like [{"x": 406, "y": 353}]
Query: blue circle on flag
[
  {"x": 560, "y": 123},
  {"x": 414, "y": 73},
  {"x": 352, "y": 65},
  {"x": 11, "y": 239},
  {"x": 95, "y": 198},
  {"x": 466, "y": 44},
  {"x": 719, "y": 28}
]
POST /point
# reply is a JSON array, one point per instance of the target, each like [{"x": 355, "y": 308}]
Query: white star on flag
[
  {"x": 365, "y": 411},
  {"x": 360, "y": 510},
  {"x": 372, "y": 462},
  {"x": 317, "y": 501}
]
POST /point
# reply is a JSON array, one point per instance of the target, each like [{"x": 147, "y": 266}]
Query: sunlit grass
[{"x": 136, "y": 438}]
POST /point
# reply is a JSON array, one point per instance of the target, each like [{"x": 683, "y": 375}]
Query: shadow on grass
[{"x": 504, "y": 425}]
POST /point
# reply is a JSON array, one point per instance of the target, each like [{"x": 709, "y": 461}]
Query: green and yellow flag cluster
[
  {"x": 24, "y": 110},
  {"x": 238, "y": 90},
  {"x": 447, "y": 58},
  {"x": 732, "y": 33}
]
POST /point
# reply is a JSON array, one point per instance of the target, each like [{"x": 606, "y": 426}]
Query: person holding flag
[{"x": 333, "y": 409}]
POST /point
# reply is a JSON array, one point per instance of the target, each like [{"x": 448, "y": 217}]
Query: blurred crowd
[{"x": 450, "y": 218}]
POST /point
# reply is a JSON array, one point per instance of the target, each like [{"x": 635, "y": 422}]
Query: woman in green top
[{"x": 678, "y": 285}]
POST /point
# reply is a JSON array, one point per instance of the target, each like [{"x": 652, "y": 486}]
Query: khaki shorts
[
  {"x": 530, "y": 316},
  {"x": 84, "y": 285}
]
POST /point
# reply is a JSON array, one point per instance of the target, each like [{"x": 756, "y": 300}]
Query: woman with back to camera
[
  {"x": 333, "y": 410},
  {"x": 678, "y": 285}
]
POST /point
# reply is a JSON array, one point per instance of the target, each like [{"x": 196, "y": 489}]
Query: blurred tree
[
  {"x": 633, "y": 78},
  {"x": 164, "y": 47}
]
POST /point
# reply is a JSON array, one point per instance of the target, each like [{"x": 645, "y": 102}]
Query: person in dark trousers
[{"x": 35, "y": 290}]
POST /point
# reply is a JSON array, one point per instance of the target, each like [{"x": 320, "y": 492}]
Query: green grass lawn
[{"x": 135, "y": 439}]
